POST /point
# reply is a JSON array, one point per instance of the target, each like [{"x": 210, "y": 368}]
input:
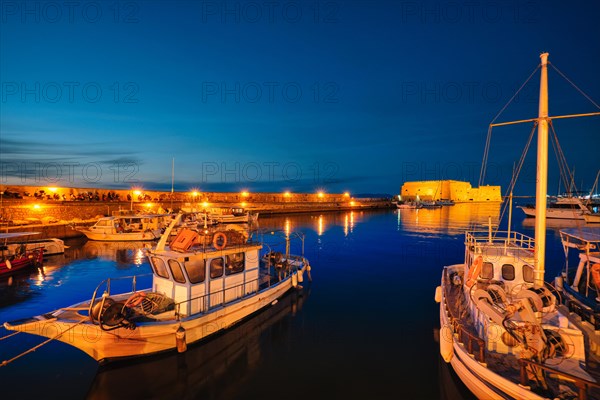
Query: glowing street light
[
  {"x": 135, "y": 192},
  {"x": 346, "y": 194},
  {"x": 321, "y": 194},
  {"x": 245, "y": 194}
]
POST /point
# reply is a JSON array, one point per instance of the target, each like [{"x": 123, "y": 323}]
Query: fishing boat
[
  {"x": 127, "y": 228},
  {"x": 51, "y": 246},
  {"x": 430, "y": 204},
  {"x": 409, "y": 205},
  {"x": 580, "y": 285},
  {"x": 231, "y": 216},
  {"x": 19, "y": 257},
  {"x": 445, "y": 202},
  {"x": 502, "y": 328},
  {"x": 197, "y": 290},
  {"x": 561, "y": 208}
]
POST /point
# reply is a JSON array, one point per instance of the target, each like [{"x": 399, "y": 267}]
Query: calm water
[{"x": 364, "y": 328}]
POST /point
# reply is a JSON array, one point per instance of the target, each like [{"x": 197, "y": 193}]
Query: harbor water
[{"x": 365, "y": 327}]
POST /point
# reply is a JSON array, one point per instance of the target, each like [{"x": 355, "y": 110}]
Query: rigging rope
[
  {"x": 575, "y": 86},
  {"x": 517, "y": 171},
  {"x": 489, "y": 136}
]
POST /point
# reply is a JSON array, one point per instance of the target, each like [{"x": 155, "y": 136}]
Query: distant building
[{"x": 459, "y": 192}]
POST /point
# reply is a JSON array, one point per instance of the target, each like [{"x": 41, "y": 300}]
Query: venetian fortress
[{"x": 458, "y": 191}]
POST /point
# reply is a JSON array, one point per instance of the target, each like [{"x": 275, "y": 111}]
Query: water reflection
[
  {"x": 451, "y": 220},
  {"x": 205, "y": 370},
  {"x": 320, "y": 223}
]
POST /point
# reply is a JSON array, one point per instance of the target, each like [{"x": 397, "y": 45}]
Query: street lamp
[{"x": 134, "y": 193}]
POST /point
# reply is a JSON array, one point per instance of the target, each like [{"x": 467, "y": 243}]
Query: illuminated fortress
[{"x": 459, "y": 192}]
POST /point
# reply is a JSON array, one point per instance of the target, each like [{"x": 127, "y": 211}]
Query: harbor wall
[
  {"x": 458, "y": 191},
  {"x": 54, "y": 211}
]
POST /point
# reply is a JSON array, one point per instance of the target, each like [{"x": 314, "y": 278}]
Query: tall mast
[{"x": 541, "y": 189}]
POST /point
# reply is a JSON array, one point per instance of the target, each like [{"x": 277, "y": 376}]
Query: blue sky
[{"x": 271, "y": 96}]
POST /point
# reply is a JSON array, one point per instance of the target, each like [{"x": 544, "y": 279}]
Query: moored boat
[
  {"x": 127, "y": 228},
  {"x": 561, "y": 208},
  {"x": 502, "y": 327},
  {"x": 409, "y": 205},
  {"x": 196, "y": 291},
  {"x": 18, "y": 258}
]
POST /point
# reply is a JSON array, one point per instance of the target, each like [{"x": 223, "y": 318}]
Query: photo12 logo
[
  {"x": 69, "y": 92},
  {"x": 269, "y": 12},
  {"x": 269, "y": 92},
  {"x": 68, "y": 172},
  {"x": 70, "y": 12}
]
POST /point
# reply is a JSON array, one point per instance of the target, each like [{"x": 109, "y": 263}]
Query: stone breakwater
[{"x": 54, "y": 212}]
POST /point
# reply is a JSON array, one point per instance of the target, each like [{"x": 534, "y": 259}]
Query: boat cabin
[
  {"x": 127, "y": 224},
  {"x": 201, "y": 278},
  {"x": 503, "y": 259}
]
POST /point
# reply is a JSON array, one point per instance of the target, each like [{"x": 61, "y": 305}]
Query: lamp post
[{"x": 133, "y": 194}]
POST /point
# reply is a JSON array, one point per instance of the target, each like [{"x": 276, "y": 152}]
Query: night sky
[{"x": 355, "y": 96}]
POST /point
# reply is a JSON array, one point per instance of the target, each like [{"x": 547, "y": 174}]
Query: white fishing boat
[
  {"x": 127, "y": 228},
  {"x": 50, "y": 246},
  {"x": 196, "y": 292},
  {"x": 502, "y": 329},
  {"x": 231, "y": 216},
  {"x": 561, "y": 208}
]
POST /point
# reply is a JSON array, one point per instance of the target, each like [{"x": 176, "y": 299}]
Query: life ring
[
  {"x": 221, "y": 238},
  {"x": 596, "y": 275},
  {"x": 474, "y": 271}
]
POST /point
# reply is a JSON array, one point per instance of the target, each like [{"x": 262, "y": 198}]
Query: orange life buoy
[
  {"x": 219, "y": 237},
  {"x": 474, "y": 271},
  {"x": 596, "y": 274}
]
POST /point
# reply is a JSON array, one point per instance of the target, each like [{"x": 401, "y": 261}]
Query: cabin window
[
  {"x": 196, "y": 270},
  {"x": 216, "y": 268},
  {"x": 176, "y": 271},
  {"x": 528, "y": 273},
  {"x": 487, "y": 271},
  {"x": 235, "y": 263},
  {"x": 103, "y": 223},
  {"x": 508, "y": 272},
  {"x": 160, "y": 268}
]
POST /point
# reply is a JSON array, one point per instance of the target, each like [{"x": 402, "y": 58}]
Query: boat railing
[
  {"x": 582, "y": 384},
  {"x": 505, "y": 238},
  {"x": 226, "y": 295},
  {"x": 216, "y": 298},
  {"x": 462, "y": 333}
]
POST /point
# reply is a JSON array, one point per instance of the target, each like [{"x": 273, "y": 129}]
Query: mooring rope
[
  {"x": 34, "y": 348},
  {"x": 7, "y": 336}
]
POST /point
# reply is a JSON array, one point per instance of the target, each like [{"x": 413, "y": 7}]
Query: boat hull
[
  {"x": 122, "y": 237},
  {"x": 22, "y": 263},
  {"x": 481, "y": 381},
  {"x": 148, "y": 337}
]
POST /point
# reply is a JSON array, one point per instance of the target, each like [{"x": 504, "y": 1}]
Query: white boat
[
  {"x": 127, "y": 228},
  {"x": 231, "y": 216},
  {"x": 502, "y": 328},
  {"x": 561, "y": 208},
  {"x": 50, "y": 246},
  {"x": 196, "y": 292},
  {"x": 409, "y": 205}
]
